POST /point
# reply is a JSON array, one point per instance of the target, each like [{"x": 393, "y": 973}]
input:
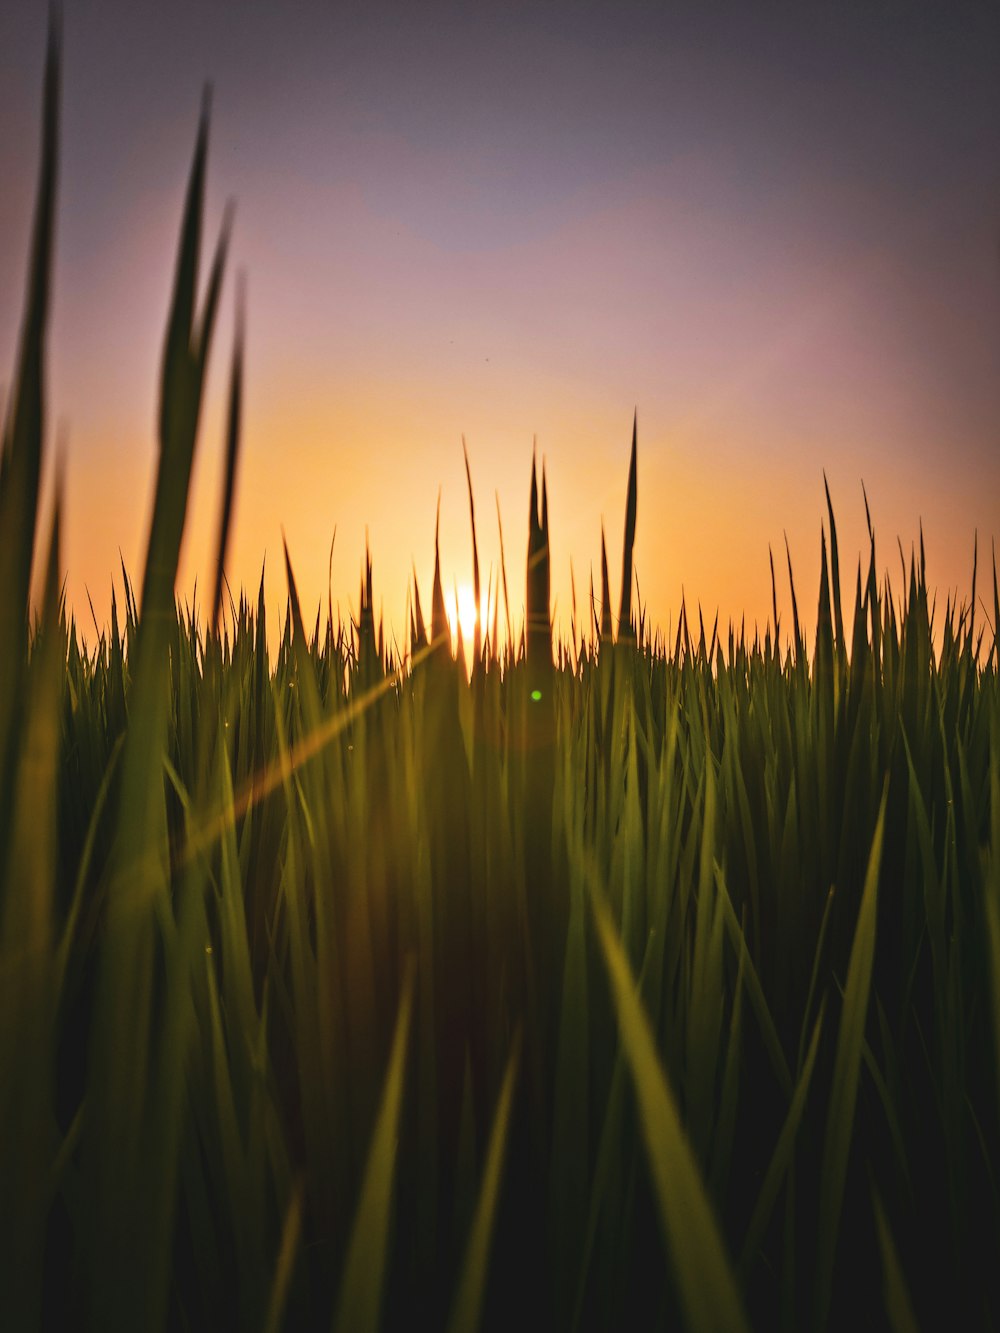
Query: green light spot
[{"x": 536, "y": 695}]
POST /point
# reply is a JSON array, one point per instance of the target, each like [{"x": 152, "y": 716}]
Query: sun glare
[{"x": 461, "y": 608}]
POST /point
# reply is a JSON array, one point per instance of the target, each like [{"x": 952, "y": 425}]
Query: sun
[{"x": 462, "y": 612}]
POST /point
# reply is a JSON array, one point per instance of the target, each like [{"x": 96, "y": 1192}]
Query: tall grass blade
[
  {"x": 898, "y": 1306},
  {"x": 286, "y": 1263},
  {"x": 626, "y": 630},
  {"x": 607, "y": 632},
  {"x": 23, "y": 440},
  {"x": 781, "y": 1159},
  {"x": 706, "y": 1284},
  {"x": 364, "y": 1268},
  {"x": 846, "y": 1071},
  {"x": 232, "y": 450},
  {"x": 467, "y": 1307},
  {"x": 477, "y": 644}
]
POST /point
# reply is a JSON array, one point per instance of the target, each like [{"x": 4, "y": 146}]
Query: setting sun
[{"x": 462, "y": 612}]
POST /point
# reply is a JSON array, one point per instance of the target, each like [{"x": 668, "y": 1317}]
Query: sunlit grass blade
[
  {"x": 477, "y": 645},
  {"x": 285, "y": 1266},
  {"x": 440, "y": 636},
  {"x": 707, "y": 1287},
  {"x": 503, "y": 572}
]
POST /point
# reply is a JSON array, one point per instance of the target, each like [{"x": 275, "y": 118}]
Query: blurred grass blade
[
  {"x": 846, "y": 1070},
  {"x": 467, "y": 1307},
  {"x": 286, "y": 1262},
  {"x": 364, "y": 1268},
  {"x": 781, "y": 1158},
  {"x": 898, "y": 1306},
  {"x": 706, "y": 1284},
  {"x": 23, "y": 441},
  {"x": 27, "y": 970},
  {"x": 185, "y": 354},
  {"x": 142, "y": 1022}
]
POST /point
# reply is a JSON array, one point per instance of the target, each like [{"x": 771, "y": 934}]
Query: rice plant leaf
[
  {"x": 606, "y": 629},
  {"x": 625, "y": 628},
  {"x": 360, "y": 1295},
  {"x": 898, "y": 1306},
  {"x": 991, "y": 898},
  {"x": 232, "y": 450},
  {"x": 538, "y": 625},
  {"x": 838, "y": 615},
  {"x": 781, "y": 1158},
  {"x": 28, "y": 867},
  {"x": 477, "y": 646},
  {"x": 707, "y": 1286},
  {"x": 467, "y": 1306},
  {"x": 185, "y": 354},
  {"x": 290, "y": 1234},
  {"x": 439, "y": 616},
  {"x": 23, "y": 438},
  {"x": 503, "y": 572},
  {"x": 846, "y": 1071},
  {"x": 755, "y": 991}
]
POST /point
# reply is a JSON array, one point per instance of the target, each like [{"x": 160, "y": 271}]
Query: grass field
[{"x": 622, "y": 984}]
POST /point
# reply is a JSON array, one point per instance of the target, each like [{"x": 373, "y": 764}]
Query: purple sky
[{"x": 775, "y": 232}]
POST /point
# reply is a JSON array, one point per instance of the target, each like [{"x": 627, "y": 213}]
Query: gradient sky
[{"x": 774, "y": 230}]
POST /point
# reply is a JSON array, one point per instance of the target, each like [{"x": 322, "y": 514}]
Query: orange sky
[{"x": 780, "y": 245}]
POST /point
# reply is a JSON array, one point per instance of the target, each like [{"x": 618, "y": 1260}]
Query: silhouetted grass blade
[
  {"x": 232, "y": 448},
  {"x": 626, "y": 630},
  {"x": 23, "y": 440}
]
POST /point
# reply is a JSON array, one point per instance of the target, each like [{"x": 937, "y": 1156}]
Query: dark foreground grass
[{"x": 654, "y": 985}]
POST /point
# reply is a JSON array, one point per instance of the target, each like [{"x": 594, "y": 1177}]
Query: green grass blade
[
  {"x": 23, "y": 438},
  {"x": 360, "y": 1295},
  {"x": 781, "y": 1158},
  {"x": 465, "y": 1312},
  {"x": 898, "y": 1306},
  {"x": 707, "y": 1286},
  {"x": 285, "y": 1266},
  {"x": 232, "y": 450},
  {"x": 846, "y": 1071},
  {"x": 625, "y": 628}
]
